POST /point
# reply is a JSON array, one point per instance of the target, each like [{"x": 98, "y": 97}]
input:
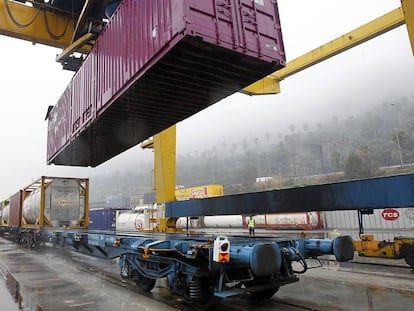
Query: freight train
[
  {"x": 200, "y": 268},
  {"x": 47, "y": 203}
]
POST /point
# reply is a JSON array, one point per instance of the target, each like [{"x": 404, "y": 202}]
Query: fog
[{"x": 377, "y": 71}]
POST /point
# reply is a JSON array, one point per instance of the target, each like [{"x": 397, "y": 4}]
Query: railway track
[
  {"x": 330, "y": 287},
  {"x": 161, "y": 293}
]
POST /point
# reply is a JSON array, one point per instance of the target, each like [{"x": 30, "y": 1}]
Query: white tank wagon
[
  {"x": 56, "y": 202},
  {"x": 300, "y": 221},
  {"x": 139, "y": 219}
]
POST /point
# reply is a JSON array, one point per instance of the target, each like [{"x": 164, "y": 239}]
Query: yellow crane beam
[
  {"x": 408, "y": 9},
  {"x": 35, "y": 24},
  {"x": 385, "y": 23},
  {"x": 75, "y": 46},
  {"x": 82, "y": 19}
]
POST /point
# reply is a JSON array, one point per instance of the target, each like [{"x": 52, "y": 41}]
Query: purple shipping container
[
  {"x": 83, "y": 100},
  {"x": 59, "y": 123},
  {"x": 158, "y": 62}
]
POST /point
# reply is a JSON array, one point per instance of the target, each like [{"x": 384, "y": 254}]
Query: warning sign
[{"x": 224, "y": 257}]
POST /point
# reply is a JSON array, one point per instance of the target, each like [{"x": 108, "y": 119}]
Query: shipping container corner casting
[{"x": 156, "y": 63}]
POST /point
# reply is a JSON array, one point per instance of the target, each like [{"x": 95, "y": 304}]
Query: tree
[{"x": 359, "y": 164}]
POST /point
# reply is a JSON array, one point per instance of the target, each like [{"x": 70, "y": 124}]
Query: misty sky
[{"x": 377, "y": 71}]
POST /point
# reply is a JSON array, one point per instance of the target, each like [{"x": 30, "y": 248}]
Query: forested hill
[{"x": 357, "y": 145}]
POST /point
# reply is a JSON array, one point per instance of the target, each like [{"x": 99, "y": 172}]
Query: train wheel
[{"x": 145, "y": 284}]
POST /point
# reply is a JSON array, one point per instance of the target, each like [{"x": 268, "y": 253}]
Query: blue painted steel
[
  {"x": 318, "y": 246},
  {"x": 258, "y": 265},
  {"x": 383, "y": 192},
  {"x": 264, "y": 258}
]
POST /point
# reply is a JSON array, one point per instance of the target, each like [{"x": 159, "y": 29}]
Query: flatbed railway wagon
[
  {"x": 205, "y": 268},
  {"x": 200, "y": 268}
]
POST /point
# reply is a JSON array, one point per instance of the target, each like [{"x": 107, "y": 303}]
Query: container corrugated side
[
  {"x": 101, "y": 219},
  {"x": 347, "y": 223},
  {"x": 131, "y": 43},
  {"x": 60, "y": 123},
  {"x": 15, "y": 215},
  {"x": 159, "y": 62},
  {"x": 104, "y": 218},
  {"x": 83, "y": 95}
]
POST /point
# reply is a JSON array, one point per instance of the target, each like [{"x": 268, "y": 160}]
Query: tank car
[{"x": 48, "y": 202}]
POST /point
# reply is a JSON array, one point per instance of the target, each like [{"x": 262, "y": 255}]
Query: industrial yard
[
  {"x": 320, "y": 219},
  {"x": 35, "y": 280}
]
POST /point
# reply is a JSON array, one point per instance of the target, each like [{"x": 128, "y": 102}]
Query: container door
[
  {"x": 260, "y": 27},
  {"x": 214, "y": 21}
]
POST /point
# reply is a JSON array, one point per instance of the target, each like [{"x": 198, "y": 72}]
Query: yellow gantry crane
[
  {"x": 75, "y": 28},
  {"x": 396, "y": 18},
  {"x": 56, "y": 23}
]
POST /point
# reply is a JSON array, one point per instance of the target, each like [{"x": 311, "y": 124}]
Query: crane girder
[
  {"x": 408, "y": 9},
  {"x": 50, "y": 25},
  {"x": 35, "y": 25},
  {"x": 379, "y": 26}
]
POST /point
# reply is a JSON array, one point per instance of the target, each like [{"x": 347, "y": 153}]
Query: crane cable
[
  {"x": 15, "y": 22},
  {"x": 49, "y": 31}
]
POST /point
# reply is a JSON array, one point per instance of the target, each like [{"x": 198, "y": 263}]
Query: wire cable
[
  {"x": 13, "y": 19},
  {"x": 25, "y": 25},
  {"x": 49, "y": 31}
]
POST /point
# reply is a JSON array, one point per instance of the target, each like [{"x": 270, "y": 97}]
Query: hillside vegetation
[{"x": 378, "y": 142}]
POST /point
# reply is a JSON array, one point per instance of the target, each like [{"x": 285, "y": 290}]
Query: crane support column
[
  {"x": 164, "y": 164},
  {"x": 164, "y": 144},
  {"x": 408, "y": 9}
]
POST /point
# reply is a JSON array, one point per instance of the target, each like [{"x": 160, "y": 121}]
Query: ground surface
[{"x": 54, "y": 279}]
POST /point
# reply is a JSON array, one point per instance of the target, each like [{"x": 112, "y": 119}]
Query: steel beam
[
  {"x": 343, "y": 43},
  {"x": 75, "y": 46},
  {"x": 165, "y": 164},
  {"x": 376, "y": 193},
  {"x": 83, "y": 17},
  {"x": 37, "y": 31},
  {"x": 408, "y": 9}
]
